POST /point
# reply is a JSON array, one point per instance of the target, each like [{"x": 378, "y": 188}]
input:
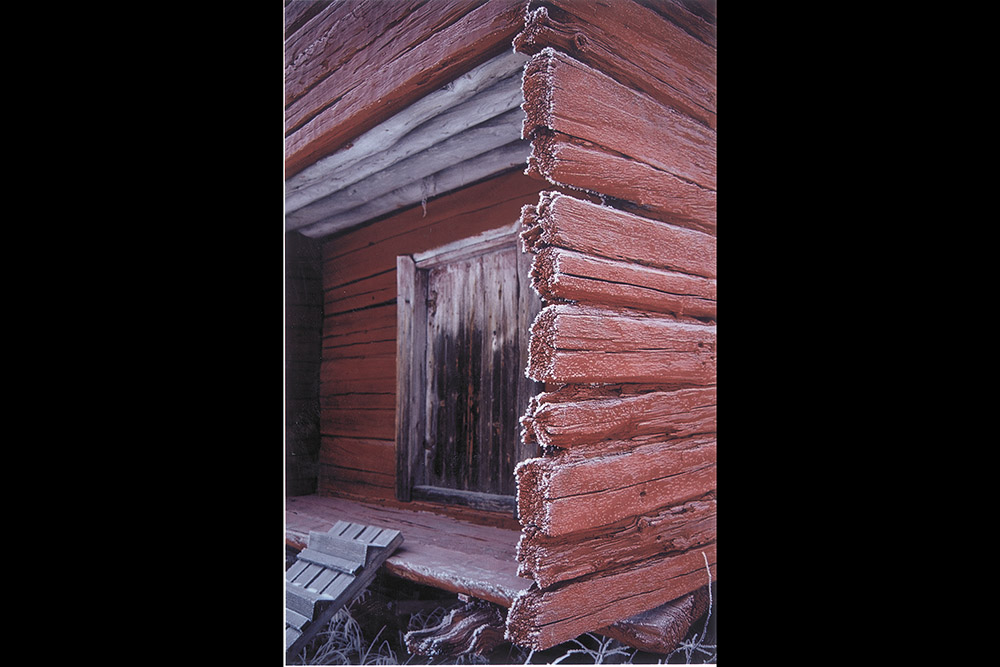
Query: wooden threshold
[{"x": 437, "y": 550}]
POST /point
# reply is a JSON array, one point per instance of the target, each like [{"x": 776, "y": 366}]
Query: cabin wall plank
[
  {"x": 564, "y": 95},
  {"x": 620, "y": 115},
  {"x": 669, "y": 530},
  {"x": 374, "y": 72},
  {"x": 541, "y": 618},
  {"x": 618, "y": 513},
  {"x": 637, "y": 187},
  {"x": 358, "y": 375},
  {"x": 567, "y": 424},
  {"x": 575, "y": 224},
  {"x": 670, "y": 56}
]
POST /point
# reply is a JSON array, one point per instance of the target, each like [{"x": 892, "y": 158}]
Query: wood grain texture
[
  {"x": 563, "y": 95},
  {"x": 572, "y": 343},
  {"x": 569, "y": 162},
  {"x": 454, "y": 554},
  {"x": 476, "y": 628},
  {"x": 372, "y": 249},
  {"x": 381, "y": 64},
  {"x": 461, "y": 346},
  {"x": 674, "y": 529},
  {"x": 663, "y": 50},
  {"x": 661, "y": 629},
  {"x": 566, "y": 493},
  {"x": 372, "y": 184},
  {"x": 561, "y": 275},
  {"x": 482, "y": 93},
  {"x": 542, "y": 618},
  {"x": 358, "y": 389},
  {"x": 569, "y": 424},
  {"x": 592, "y": 229}
]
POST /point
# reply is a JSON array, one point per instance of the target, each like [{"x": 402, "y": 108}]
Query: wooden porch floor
[{"x": 440, "y": 551}]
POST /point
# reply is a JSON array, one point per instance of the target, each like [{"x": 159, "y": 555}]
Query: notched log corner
[{"x": 473, "y": 629}]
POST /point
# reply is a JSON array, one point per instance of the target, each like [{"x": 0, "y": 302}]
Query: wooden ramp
[
  {"x": 447, "y": 553},
  {"x": 333, "y": 569}
]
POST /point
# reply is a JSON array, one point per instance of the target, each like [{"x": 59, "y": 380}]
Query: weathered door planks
[{"x": 472, "y": 307}]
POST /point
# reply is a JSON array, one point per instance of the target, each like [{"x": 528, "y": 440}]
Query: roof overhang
[{"x": 463, "y": 132}]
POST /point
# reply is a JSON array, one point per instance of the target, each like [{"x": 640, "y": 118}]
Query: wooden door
[{"x": 471, "y": 312}]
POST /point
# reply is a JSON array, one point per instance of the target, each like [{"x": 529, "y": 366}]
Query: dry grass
[{"x": 345, "y": 639}]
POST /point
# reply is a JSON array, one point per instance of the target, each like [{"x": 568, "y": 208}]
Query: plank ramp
[
  {"x": 451, "y": 554},
  {"x": 332, "y": 570}
]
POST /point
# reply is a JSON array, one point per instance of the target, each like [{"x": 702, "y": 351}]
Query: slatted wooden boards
[{"x": 330, "y": 572}]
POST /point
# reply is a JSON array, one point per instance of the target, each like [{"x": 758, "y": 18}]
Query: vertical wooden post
[{"x": 411, "y": 331}]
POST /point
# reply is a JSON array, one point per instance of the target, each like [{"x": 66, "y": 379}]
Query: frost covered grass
[
  {"x": 370, "y": 631},
  {"x": 342, "y": 642}
]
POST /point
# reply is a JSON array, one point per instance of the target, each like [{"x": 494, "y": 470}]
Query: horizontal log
[
  {"x": 491, "y": 163},
  {"x": 541, "y": 618},
  {"x": 356, "y": 368},
  {"x": 568, "y": 162},
  {"x": 359, "y": 321},
  {"x": 386, "y": 332},
  {"x": 565, "y": 493},
  {"x": 372, "y": 424},
  {"x": 660, "y": 630},
  {"x": 376, "y": 290},
  {"x": 575, "y": 344},
  {"x": 477, "y": 208},
  {"x": 375, "y": 348},
  {"x": 592, "y": 229},
  {"x": 361, "y": 483},
  {"x": 298, "y": 12},
  {"x": 457, "y": 208},
  {"x": 377, "y": 456},
  {"x": 560, "y": 275},
  {"x": 664, "y": 51},
  {"x": 487, "y": 91},
  {"x": 364, "y": 385},
  {"x": 321, "y": 46},
  {"x": 664, "y": 413},
  {"x": 697, "y": 17},
  {"x": 385, "y": 80},
  {"x": 562, "y": 94},
  {"x": 549, "y": 560},
  {"x": 360, "y": 401},
  {"x": 470, "y": 143}
]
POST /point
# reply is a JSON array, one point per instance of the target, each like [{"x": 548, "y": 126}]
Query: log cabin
[{"x": 501, "y": 300}]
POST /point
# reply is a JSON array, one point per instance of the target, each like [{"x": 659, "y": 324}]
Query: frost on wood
[
  {"x": 560, "y": 275},
  {"x": 566, "y": 96},
  {"x": 571, "y": 343},
  {"x": 668, "y": 530},
  {"x": 676, "y": 413},
  {"x": 589, "y": 228},
  {"x": 570, "y": 492},
  {"x": 540, "y": 618},
  {"x": 671, "y": 62}
]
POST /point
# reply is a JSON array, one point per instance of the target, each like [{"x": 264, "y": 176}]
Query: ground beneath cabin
[{"x": 370, "y": 632}]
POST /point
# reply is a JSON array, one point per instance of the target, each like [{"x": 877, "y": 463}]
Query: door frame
[{"x": 411, "y": 380}]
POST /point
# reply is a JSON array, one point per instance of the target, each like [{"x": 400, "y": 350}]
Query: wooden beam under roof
[
  {"x": 480, "y": 94},
  {"x": 468, "y": 130}
]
